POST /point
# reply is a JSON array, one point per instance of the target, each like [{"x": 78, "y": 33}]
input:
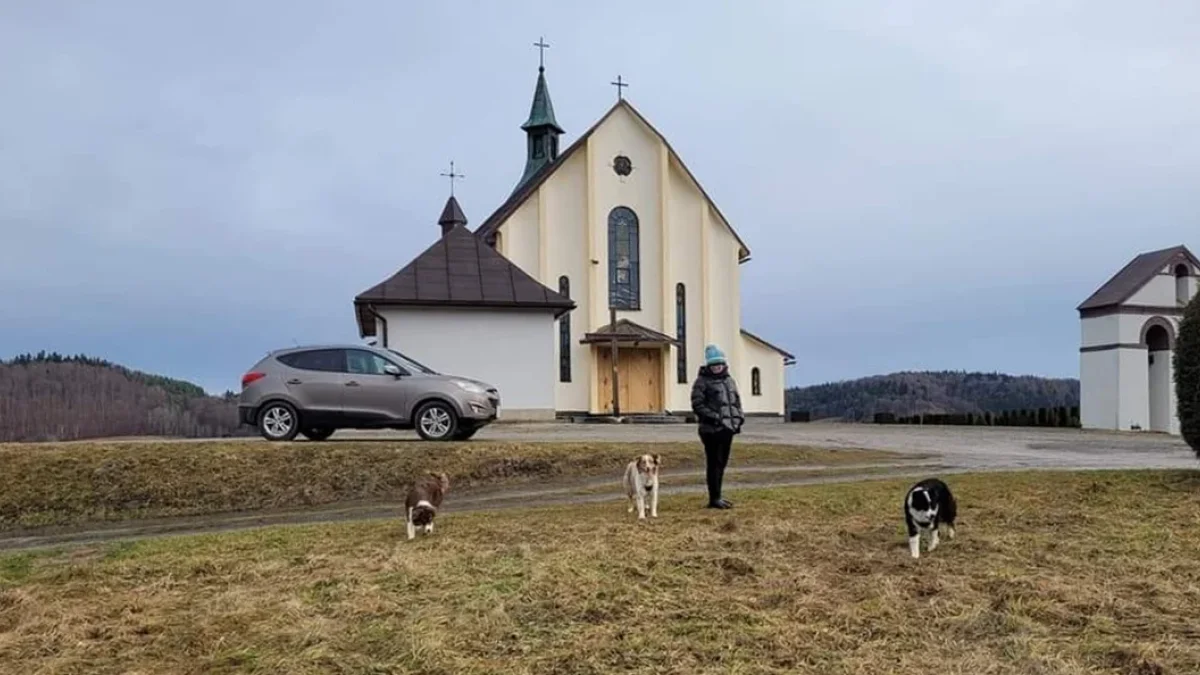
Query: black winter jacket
[{"x": 716, "y": 402}]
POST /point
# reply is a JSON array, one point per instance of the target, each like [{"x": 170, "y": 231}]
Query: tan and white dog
[
  {"x": 423, "y": 500},
  {"x": 641, "y": 478}
]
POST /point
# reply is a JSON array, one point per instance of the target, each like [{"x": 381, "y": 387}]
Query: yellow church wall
[
  {"x": 770, "y": 366},
  {"x": 623, "y": 134},
  {"x": 723, "y": 279},
  {"x": 521, "y": 237},
  {"x": 684, "y": 206},
  {"x": 565, "y": 250}
]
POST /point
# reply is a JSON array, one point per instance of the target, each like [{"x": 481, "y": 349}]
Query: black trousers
[{"x": 716, "y": 450}]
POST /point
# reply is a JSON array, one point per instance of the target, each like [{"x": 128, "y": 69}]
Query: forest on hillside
[
  {"x": 932, "y": 392},
  {"x": 51, "y": 397}
]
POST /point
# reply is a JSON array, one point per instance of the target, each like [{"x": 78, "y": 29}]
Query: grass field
[
  {"x": 60, "y": 484},
  {"x": 1094, "y": 572}
]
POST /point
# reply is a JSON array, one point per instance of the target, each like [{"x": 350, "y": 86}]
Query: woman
[{"x": 718, "y": 406}]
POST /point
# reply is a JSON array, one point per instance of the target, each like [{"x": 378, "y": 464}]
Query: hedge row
[{"x": 1061, "y": 416}]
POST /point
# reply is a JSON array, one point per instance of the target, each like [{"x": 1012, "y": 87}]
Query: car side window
[
  {"x": 323, "y": 360},
  {"x": 361, "y": 362}
]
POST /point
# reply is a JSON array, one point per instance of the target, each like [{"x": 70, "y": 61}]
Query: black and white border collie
[{"x": 928, "y": 504}]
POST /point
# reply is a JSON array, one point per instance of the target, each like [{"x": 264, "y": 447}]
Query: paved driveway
[{"x": 958, "y": 447}]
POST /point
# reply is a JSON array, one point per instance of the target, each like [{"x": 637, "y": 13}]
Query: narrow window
[
  {"x": 564, "y": 335},
  {"x": 539, "y": 146},
  {"x": 755, "y": 382},
  {"x": 1181, "y": 284},
  {"x": 624, "y": 273},
  {"x": 681, "y": 369}
]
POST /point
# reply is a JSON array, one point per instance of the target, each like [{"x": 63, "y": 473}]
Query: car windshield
[{"x": 411, "y": 365}]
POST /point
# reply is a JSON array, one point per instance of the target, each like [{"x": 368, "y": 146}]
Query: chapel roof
[
  {"x": 627, "y": 331},
  {"x": 458, "y": 270},
  {"x": 788, "y": 358},
  {"x": 1134, "y": 275}
]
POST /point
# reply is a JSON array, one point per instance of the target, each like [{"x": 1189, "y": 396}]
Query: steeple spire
[
  {"x": 452, "y": 214},
  {"x": 541, "y": 129}
]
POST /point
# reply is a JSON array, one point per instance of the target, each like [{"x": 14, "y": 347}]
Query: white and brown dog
[
  {"x": 423, "y": 500},
  {"x": 641, "y": 478}
]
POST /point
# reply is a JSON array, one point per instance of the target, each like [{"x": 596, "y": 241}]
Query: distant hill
[
  {"x": 51, "y": 397},
  {"x": 909, "y": 393}
]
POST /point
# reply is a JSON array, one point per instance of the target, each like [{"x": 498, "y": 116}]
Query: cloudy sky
[{"x": 185, "y": 185}]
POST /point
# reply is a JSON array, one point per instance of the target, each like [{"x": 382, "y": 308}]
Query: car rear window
[{"x": 325, "y": 360}]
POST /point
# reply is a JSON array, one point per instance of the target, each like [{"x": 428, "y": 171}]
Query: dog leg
[
  {"x": 641, "y": 505},
  {"x": 654, "y": 501},
  {"x": 950, "y": 531},
  {"x": 412, "y": 529},
  {"x": 933, "y": 539},
  {"x": 914, "y": 545}
]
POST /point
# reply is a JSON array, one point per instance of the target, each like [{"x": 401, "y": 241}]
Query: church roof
[
  {"x": 1136, "y": 274},
  {"x": 458, "y": 270},
  {"x": 528, "y": 187},
  {"x": 788, "y": 359},
  {"x": 541, "y": 111},
  {"x": 627, "y": 331}
]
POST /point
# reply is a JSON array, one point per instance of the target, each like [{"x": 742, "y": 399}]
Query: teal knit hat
[{"x": 713, "y": 355}]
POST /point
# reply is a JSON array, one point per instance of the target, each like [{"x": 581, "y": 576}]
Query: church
[
  {"x": 612, "y": 225},
  {"x": 1128, "y": 328}
]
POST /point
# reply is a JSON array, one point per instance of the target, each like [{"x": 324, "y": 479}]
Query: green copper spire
[
  {"x": 541, "y": 129},
  {"x": 541, "y": 113}
]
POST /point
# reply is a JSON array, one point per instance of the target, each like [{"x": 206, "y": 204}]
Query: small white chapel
[
  {"x": 613, "y": 221},
  {"x": 1128, "y": 325}
]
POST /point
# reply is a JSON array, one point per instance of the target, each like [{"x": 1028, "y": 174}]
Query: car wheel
[
  {"x": 317, "y": 433},
  {"x": 436, "y": 421},
  {"x": 278, "y": 421},
  {"x": 465, "y": 434}
]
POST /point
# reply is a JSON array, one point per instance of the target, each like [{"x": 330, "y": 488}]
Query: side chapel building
[
  {"x": 1128, "y": 328},
  {"x": 614, "y": 220}
]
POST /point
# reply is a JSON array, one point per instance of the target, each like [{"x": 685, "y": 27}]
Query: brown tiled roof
[
  {"x": 518, "y": 197},
  {"x": 627, "y": 331},
  {"x": 788, "y": 359},
  {"x": 1134, "y": 275},
  {"x": 458, "y": 270}
]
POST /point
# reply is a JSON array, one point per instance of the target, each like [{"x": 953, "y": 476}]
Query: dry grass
[
  {"x": 59, "y": 484},
  {"x": 1067, "y": 573}
]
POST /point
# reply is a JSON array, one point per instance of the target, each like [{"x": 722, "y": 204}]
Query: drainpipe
[{"x": 377, "y": 315}]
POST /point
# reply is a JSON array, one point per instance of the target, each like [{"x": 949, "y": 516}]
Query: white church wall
[
  {"x": 770, "y": 366},
  {"x": 507, "y": 349},
  {"x": 1134, "y": 391},
  {"x": 1100, "y": 330},
  {"x": 1158, "y": 292},
  {"x": 1098, "y": 387}
]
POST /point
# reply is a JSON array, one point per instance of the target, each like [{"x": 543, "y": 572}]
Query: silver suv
[{"x": 317, "y": 390}]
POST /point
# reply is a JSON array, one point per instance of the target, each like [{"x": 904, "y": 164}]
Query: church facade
[
  {"x": 1128, "y": 329},
  {"x": 615, "y": 223}
]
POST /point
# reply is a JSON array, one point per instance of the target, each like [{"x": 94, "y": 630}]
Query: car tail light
[{"x": 251, "y": 378}]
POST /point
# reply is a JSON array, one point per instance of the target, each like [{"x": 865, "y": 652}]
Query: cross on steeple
[
  {"x": 452, "y": 176},
  {"x": 542, "y": 46},
  {"x": 619, "y": 85}
]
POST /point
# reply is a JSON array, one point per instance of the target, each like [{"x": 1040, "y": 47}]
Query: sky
[{"x": 185, "y": 186}]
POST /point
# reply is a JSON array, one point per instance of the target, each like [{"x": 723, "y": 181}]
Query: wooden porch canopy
[{"x": 627, "y": 333}]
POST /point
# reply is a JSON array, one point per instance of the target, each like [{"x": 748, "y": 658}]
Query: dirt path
[{"x": 554, "y": 494}]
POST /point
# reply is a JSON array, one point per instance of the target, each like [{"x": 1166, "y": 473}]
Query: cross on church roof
[
  {"x": 452, "y": 176},
  {"x": 619, "y": 85},
  {"x": 542, "y": 46}
]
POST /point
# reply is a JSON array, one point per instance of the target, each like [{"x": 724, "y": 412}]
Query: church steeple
[
  {"x": 541, "y": 129},
  {"x": 452, "y": 216}
]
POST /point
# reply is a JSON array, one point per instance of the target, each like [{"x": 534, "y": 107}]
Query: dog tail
[{"x": 423, "y": 514}]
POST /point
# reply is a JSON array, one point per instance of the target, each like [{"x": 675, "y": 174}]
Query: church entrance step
[{"x": 633, "y": 419}]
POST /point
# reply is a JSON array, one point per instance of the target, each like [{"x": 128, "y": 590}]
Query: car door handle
[
  {"x": 351, "y": 383},
  {"x": 294, "y": 381}
]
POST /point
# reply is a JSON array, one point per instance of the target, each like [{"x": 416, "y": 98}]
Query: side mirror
[{"x": 392, "y": 370}]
